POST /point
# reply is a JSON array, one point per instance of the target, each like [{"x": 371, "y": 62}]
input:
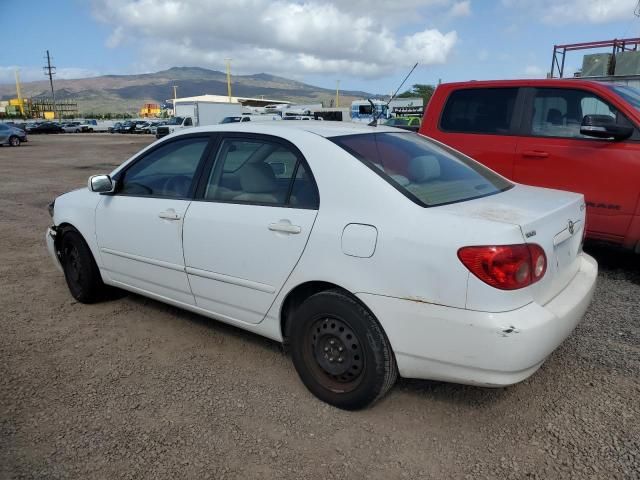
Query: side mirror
[
  {"x": 604, "y": 126},
  {"x": 101, "y": 184}
]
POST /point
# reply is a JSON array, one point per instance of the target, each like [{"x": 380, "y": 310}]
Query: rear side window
[
  {"x": 425, "y": 172},
  {"x": 479, "y": 110},
  {"x": 263, "y": 172}
]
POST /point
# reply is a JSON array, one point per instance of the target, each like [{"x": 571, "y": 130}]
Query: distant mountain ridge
[{"x": 127, "y": 93}]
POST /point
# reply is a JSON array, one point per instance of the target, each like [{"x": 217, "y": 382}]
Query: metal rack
[{"x": 617, "y": 45}]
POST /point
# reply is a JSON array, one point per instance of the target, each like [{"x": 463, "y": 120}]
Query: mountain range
[{"x": 127, "y": 93}]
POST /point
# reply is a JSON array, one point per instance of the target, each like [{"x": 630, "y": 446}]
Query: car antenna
[{"x": 374, "y": 122}]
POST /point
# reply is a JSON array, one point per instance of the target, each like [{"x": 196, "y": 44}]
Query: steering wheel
[{"x": 177, "y": 186}]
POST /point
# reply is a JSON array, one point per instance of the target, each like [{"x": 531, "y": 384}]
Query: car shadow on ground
[
  {"x": 615, "y": 259},
  {"x": 467, "y": 395}
]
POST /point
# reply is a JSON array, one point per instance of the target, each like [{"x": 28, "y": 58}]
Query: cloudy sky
[{"x": 366, "y": 44}]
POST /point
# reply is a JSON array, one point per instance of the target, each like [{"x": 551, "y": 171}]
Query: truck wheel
[
  {"x": 340, "y": 351},
  {"x": 80, "y": 269},
  {"x": 14, "y": 141}
]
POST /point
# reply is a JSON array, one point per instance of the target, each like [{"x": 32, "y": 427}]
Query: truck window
[
  {"x": 479, "y": 110},
  {"x": 188, "y": 122},
  {"x": 558, "y": 112}
]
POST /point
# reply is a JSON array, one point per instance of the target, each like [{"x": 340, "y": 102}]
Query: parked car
[
  {"x": 72, "y": 127},
  {"x": 88, "y": 125},
  {"x": 142, "y": 127},
  {"x": 568, "y": 134},
  {"x": 12, "y": 136},
  {"x": 22, "y": 126},
  {"x": 236, "y": 119},
  {"x": 154, "y": 127},
  {"x": 45, "y": 127},
  {"x": 115, "y": 127},
  {"x": 406, "y": 123},
  {"x": 369, "y": 251}
]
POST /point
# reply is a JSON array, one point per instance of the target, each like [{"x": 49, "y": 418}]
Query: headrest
[
  {"x": 257, "y": 178},
  {"x": 423, "y": 168}
]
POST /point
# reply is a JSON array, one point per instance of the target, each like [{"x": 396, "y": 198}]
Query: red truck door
[
  {"x": 554, "y": 154},
  {"x": 477, "y": 121}
]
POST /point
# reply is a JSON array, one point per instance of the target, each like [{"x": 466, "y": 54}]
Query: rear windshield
[{"x": 427, "y": 173}]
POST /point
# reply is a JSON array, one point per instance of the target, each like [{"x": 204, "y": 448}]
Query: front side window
[
  {"x": 260, "y": 172},
  {"x": 479, "y": 110},
  {"x": 165, "y": 172},
  {"x": 558, "y": 112},
  {"x": 428, "y": 174}
]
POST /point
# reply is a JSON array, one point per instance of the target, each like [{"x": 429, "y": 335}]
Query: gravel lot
[{"x": 132, "y": 388}]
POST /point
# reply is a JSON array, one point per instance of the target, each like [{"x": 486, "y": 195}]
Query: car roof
[
  {"x": 325, "y": 129},
  {"x": 530, "y": 82}
]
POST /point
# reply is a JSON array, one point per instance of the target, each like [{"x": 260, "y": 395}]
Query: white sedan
[
  {"x": 72, "y": 127},
  {"x": 368, "y": 251}
]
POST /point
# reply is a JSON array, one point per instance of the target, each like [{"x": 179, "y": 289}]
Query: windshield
[
  {"x": 397, "y": 121},
  {"x": 231, "y": 119},
  {"x": 425, "y": 172},
  {"x": 630, "y": 94},
  {"x": 175, "y": 121}
]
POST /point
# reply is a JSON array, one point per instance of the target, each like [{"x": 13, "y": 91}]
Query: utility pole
[
  {"x": 175, "y": 93},
  {"x": 228, "y": 61},
  {"x": 50, "y": 71},
  {"x": 19, "y": 93},
  {"x": 337, "y": 93}
]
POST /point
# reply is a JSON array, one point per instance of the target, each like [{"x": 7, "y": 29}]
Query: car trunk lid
[{"x": 553, "y": 219}]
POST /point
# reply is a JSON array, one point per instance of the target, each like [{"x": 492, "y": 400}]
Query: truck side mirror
[
  {"x": 604, "y": 126},
  {"x": 101, "y": 184}
]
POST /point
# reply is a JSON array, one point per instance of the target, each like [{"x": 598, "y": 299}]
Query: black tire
[
  {"x": 80, "y": 269},
  {"x": 14, "y": 141},
  {"x": 340, "y": 351}
]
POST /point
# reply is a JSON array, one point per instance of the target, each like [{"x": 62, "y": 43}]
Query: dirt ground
[{"x": 132, "y": 388}]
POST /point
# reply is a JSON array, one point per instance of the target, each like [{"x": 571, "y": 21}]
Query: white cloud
[
  {"x": 559, "y": 12},
  {"x": 534, "y": 71},
  {"x": 461, "y": 9},
  {"x": 283, "y": 36}
]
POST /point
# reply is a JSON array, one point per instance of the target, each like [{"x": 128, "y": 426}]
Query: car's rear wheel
[
  {"x": 14, "y": 141},
  {"x": 80, "y": 269},
  {"x": 340, "y": 351}
]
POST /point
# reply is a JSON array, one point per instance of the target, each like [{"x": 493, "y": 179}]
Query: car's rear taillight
[{"x": 507, "y": 267}]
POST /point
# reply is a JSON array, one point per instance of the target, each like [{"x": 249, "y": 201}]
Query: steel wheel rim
[{"x": 335, "y": 354}]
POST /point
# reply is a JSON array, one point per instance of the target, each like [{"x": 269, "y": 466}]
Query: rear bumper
[{"x": 480, "y": 348}]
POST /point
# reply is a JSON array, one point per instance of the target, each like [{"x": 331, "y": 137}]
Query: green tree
[{"x": 419, "y": 90}]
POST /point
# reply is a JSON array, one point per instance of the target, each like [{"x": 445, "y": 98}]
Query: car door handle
[
  {"x": 285, "y": 227},
  {"x": 535, "y": 154},
  {"x": 169, "y": 215}
]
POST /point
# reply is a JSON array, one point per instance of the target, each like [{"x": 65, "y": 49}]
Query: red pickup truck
[{"x": 576, "y": 135}]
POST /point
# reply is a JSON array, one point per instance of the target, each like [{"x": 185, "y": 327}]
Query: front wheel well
[
  {"x": 297, "y": 296},
  {"x": 60, "y": 232}
]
